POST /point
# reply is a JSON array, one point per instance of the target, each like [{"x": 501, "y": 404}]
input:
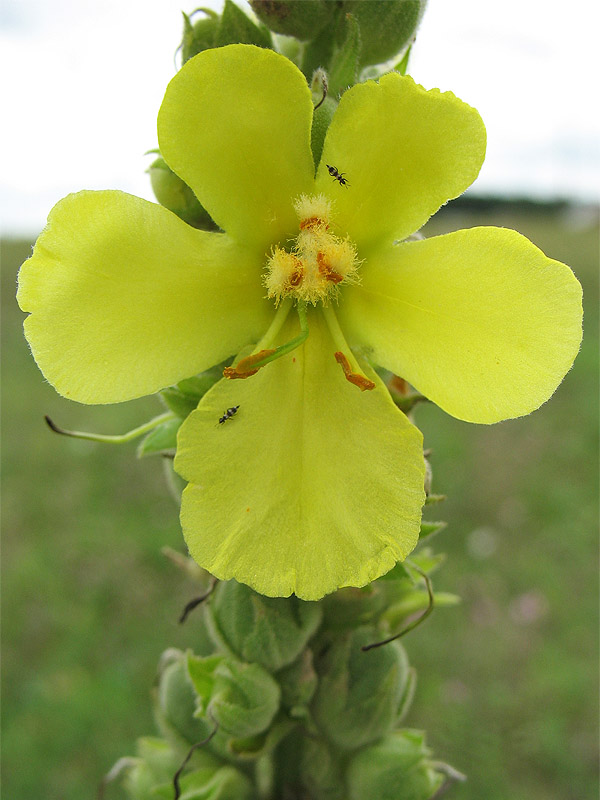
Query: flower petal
[
  {"x": 311, "y": 486},
  {"x": 125, "y": 298},
  {"x": 405, "y": 151},
  {"x": 480, "y": 320},
  {"x": 235, "y": 126}
]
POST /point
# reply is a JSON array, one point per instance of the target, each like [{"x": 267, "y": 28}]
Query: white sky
[{"x": 83, "y": 81}]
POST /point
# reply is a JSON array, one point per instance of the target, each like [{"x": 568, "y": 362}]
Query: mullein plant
[{"x": 283, "y": 305}]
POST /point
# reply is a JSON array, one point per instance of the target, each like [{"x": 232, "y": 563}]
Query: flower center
[
  {"x": 317, "y": 261},
  {"x": 309, "y": 272}
]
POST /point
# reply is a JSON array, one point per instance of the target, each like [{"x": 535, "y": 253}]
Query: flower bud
[
  {"x": 386, "y": 26},
  {"x": 350, "y": 607},
  {"x": 172, "y": 193},
  {"x": 199, "y": 35},
  {"x": 303, "y": 19},
  {"x": 320, "y": 771},
  {"x": 176, "y": 702},
  {"x": 359, "y": 693},
  {"x": 264, "y": 630},
  {"x": 397, "y": 767},
  {"x": 298, "y": 681},
  {"x": 242, "y": 699}
]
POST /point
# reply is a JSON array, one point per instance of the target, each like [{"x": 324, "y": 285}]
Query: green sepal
[
  {"x": 199, "y": 35},
  {"x": 184, "y": 397},
  {"x": 397, "y": 767},
  {"x": 343, "y": 69},
  {"x": 359, "y": 693},
  {"x": 386, "y": 26},
  {"x": 426, "y": 560},
  {"x": 350, "y": 607},
  {"x": 432, "y": 499},
  {"x": 242, "y": 699},
  {"x": 399, "y": 572},
  {"x": 236, "y": 28},
  {"x": 402, "y": 65},
  {"x": 172, "y": 193},
  {"x": 320, "y": 771},
  {"x": 303, "y": 19},
  {"x": 162, "y": 439},
  {"x": 417, "y": 600},
  {"x": 317, "y": 53},
  {"x": 268, "y": 631},
  {"x": 178, "y": 402},
  {"x": 429, "y": 529}
]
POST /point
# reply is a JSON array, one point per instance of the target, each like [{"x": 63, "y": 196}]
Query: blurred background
[{"x": 507, "y": 680}]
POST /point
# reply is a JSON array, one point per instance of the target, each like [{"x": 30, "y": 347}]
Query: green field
[{"x": 507, "y": 680}]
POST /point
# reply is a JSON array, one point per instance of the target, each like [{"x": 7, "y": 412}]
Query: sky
[{"x": 82, "y": 82}]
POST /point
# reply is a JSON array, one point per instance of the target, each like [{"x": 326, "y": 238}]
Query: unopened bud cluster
[{"x": 282, "y": 700}]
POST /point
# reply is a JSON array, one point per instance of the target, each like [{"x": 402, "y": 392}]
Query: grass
[{"x": 507, "y": 681}]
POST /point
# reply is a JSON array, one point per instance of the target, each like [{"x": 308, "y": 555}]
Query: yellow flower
[{"x": 313, "y": 484}]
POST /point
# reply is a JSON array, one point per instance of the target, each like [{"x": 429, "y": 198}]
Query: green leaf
[
  {"x": 161, "y": 439},
  {"x": 235, "y": 27}
]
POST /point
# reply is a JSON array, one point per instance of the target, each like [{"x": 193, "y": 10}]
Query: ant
[
  {"x": 337, "y": 176},
  {"x": 231, "y": 412}
]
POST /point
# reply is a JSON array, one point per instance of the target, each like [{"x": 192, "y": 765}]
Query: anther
[
  {"x": 245, "y": 367},
  {"x": 364, "y": 384},
  {"x": 326, "y": 271},
  {"x": 297, "y": 276},
  {"x": 313, "y": 222}
]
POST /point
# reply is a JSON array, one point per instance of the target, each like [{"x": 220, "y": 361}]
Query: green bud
[
  {"x": 298, "y": 681},
  {"x": 156, "y": 764},
  {"x": 386, "y": 26},
  {"x": 303, "y": 19},
  {"x": 325, "y": 107},
  {"x": 176, "y": 701},
  {"x": 265, "y": 630},
  {"x": 242, "y": 699},
  {"x": 359, "y": 693},
  {"x": 396, "y": 768},
  {"x": 172, "y": 193},
  {"x": 350, "y": 607},
  {"x": 226, "y": 783},
  {"x": 198, "y": 36}
]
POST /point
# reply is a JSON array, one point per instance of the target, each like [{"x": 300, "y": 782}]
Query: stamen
[
  {"x": 356, "y": 378},
  {"x": 313, "y": 222},
  {"x": 326, "y": 271},
  {"x": 251, "y": 364},
  {"x": 246, "y": 366},
  {"x": 344, "y": 355}
]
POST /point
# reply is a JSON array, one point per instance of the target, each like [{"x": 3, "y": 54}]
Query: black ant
[
  {"x": 337, "y": 176},
  {"x": 231, "y": 412}
]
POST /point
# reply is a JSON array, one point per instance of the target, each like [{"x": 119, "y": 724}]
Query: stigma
[{"x": 316, "y": 263}]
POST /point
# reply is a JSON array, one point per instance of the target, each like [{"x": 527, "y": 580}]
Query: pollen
[{"x": 316, "y": 263}]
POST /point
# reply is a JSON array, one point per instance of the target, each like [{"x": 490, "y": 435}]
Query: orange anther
[
  {"x": 245, "y": 367},
  {"x": 364, "y": 384},
  {"x": 312, "y": 222},
  {"x": 326, "y": 271},
  {"x": 296, "y": 277}
]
